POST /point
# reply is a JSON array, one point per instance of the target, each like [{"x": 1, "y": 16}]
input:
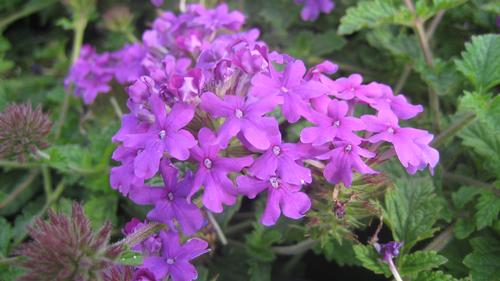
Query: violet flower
[
  {"x": 213, "y": 172},
  {"x": 174, "y": 259},
  {"x": 388, "y": 252},
  {"x": 290, "y": 87},
  {"x": 410, "y": 144},
  {"x": 170, "y": 201},
  {"x": 165, "y": 135},
  {"x": 312, "y": 8},
  {"x": 243, "y": 115},
  {"x": 337, "y": 124},
  {"x": 281, "y": 197},
  {"x": 344, "y": 158}
]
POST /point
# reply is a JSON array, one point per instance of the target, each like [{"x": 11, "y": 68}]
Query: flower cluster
[
  {"x": 312, "y": 8},
  {"x": 206, "y": 112}
]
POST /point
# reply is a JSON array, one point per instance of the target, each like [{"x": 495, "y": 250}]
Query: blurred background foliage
[{"x": 448, "y": 222}]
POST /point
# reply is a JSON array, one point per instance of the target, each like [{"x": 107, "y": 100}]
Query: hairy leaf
[{"x": 419, "y": 261}]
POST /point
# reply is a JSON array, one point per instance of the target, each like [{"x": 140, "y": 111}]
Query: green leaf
[
  {"x": 259, "y": 271},
  {"x": 370, "y": 259},
  {"x": 485, "y": 258},
  {"x": 259, "y": 242},
  {"x": 485, "y": 105},
  {"x": 487, "y": 208},
  {"x": 6, "y": 235},
  {"x": 480, "y": 61},
  {"x": 434, "y": 276},
  {"x": 129, "y": 257},
  {"x": 419, "y": 261},
  {"x": 411, "y": 210},
  {"x": 400, "y": 45},
  {"x": 484, "y": 140},
  {"x": 464, "y": 227},
  {"x": 464, "y": 195},
  {"x": 426, "y": 9},
  {"x": 342, "y": 253},
  {"x": 442, "y": 76},
  {"x": 101, "y": 208},
  {"x": 311, "y": 46},
  {"x": 371, "y": 14}
]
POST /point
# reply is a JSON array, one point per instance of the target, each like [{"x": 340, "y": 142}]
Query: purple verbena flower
[
  {"x": 166, "y": 134},
  {"x": 213, "y": 172},
  {"x": 312, "y": 8},
  {"x": 281, "y": 197},
  {"x": 174, "y": 259},
  {"x": 170, "y": 201},
  {"x": 243, "y": 115}
]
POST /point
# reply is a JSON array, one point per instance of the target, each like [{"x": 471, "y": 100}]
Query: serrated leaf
[
  {"x": 6, "y": 235},
  {"x": 101, "y": 208},
  {"x": 434, "y": 276},
  {"x": 400, "y": 45},
  {"x": 411, "y": 210},
  {"x": 442, "y": 76},
  {"x": 426, "y": 9},
  {"x": 370, "y": 259},
  {"x": 485, "y": 258},
  {"x": 487, "y": 210},
  {"x": 464, "y": 195},
  {"x": 259, "y": 242},
  {"x": 419, "y": 261},
  {"x": 484, "y": 140},
  {"x": 480, "y": 61},
  {"x": 371, "y": 14}
]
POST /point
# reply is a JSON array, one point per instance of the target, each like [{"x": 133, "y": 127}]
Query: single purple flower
[
  {"x": 213, "y": 172},
  {"x": 343, "y": 159},
  {"x": 388, "y": 252},
  {"x": 290, "y": 86},
  {"x": 281, "y": 197},
  {"x": 123, "y": 178},
  {"x": 165, "y": 135},
  {"x": 336, "y": 125},
  {"x": 128, "y": 63},
  {"x": 318, "y": 72},
  {"x": 410, "y": 144},
  {"x": 170, "y": 201},
  {"x": 175, "y": 258},
  {"x": 219, "y": 18},
  {"x": 397, "y": 104},
  {"x": 282, "y": 159},
  {"x": 243, "y": 115},
  {"x": 312, "y": 8}
]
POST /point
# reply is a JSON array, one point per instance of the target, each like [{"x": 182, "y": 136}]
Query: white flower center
[
  {"x": 170, "y": 261},
  {"x": 170, "y": 196},
  {"x": 276, "y": 150},
  {"x": 336, "y": 123},
  {"x": 348, "y": 148},
  {"x": 208, "y": 163},
  {"x": 238, "y": 113},
  {"x": 162, "y": 134},
  {"x": 390, "y": 131},
  {"x": 274, "y": 182},
  {"x": 284, "y": 89}
]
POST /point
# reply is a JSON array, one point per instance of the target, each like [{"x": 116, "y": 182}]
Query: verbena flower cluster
[{"x": 206, "y": 102}]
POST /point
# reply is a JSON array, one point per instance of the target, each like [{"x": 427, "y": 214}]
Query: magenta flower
[
  {"x": 174, "y": 261},
  {"x": 336, "y": 125},
  {"x": 213, "y": 172},
  {"x": 397, "y": 104},
  {"x": 123, "y": 178},
  {"x": 170, "y": 201},
  {"x": 165, "y": 135},
  {"x": 290, "y": 87},
  {"x": 345, "y": 158},
  {"x": 312, "y": 8},
  {"x": 281, "y": 197},
  {"x": 282, "y": 159},
  {"x": 128, "y": 63},
  {"x": 219, "y": 18},
  {"x": 243, "y": 115},
  {"x": 411, "y": 145}
]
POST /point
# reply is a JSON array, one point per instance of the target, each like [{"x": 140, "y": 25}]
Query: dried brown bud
[{"x": 22, "y": 131}]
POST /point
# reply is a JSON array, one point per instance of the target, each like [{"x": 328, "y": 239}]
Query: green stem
[
  {"x": 296, "y": 249},
  {"x": 141, "y": 234},
  {"x": 18, "y": 165},
  {"x": 47, "y": 181},
  {"x": 403, "y": 78},
  {"x": 12, "y": 260},
  {"x": 438, "y": 243},
  {"x": 25, "y": 11},
  {"x": 79, "y": 31},
  {"x": 217, "y": 228},
  {"x": 454, "y": 128},
  {"x": 19, "y": 189}
]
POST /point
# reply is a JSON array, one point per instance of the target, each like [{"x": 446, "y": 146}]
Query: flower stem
[
  {"x": 217, "y": 228},
  {"x": 394, "y": 271},
  {"x": 47, "y": 181},
  {"x": 19, "y": 189},
  {"x": 296, "y": 249},
  {"x": 141, "y": 234},
  {"x": 116, "y": 107},
  {"x": 25, "y": 11},
  {"x": 18, "y": 165},
  {"x": 403, "y": 78},
  {"x": 454, "y": 128},
  {"x": 79, "y": 31}
]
